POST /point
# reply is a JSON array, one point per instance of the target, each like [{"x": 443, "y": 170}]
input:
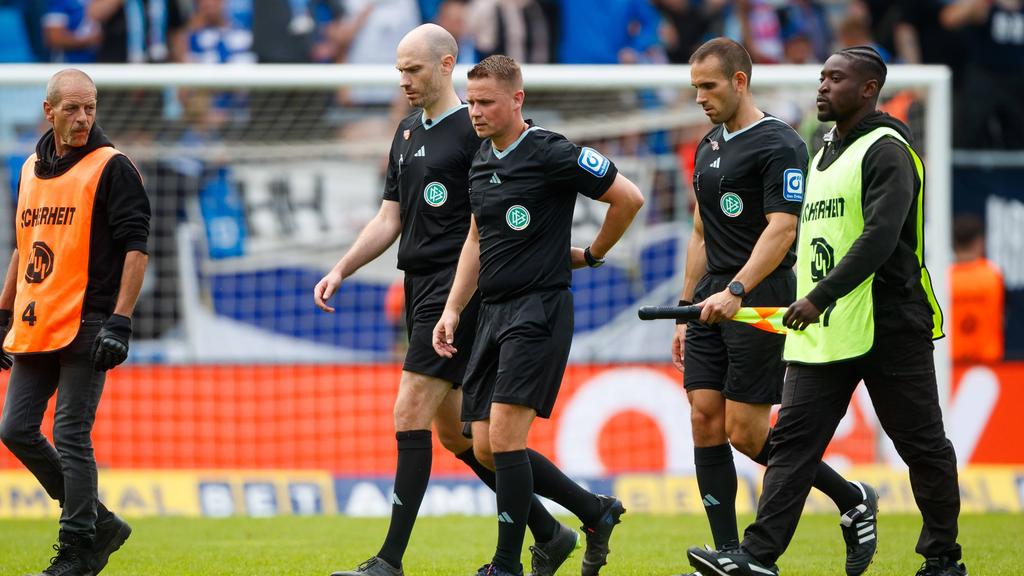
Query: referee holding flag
[{"x": 748, "y": 177}]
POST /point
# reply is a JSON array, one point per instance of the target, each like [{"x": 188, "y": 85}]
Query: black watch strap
[{"x": 590, "y": 260}]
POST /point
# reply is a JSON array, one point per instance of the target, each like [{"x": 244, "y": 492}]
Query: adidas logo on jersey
[
  {"x": 495, "y": 179},
  {"x": 717, "y": 163},
  {"x": 422, "y": 152}
]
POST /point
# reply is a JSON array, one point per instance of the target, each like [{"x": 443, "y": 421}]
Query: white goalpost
[{"x": 276, "y": 167}]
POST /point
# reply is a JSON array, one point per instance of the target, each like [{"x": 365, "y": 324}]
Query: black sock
[
  {"x": 716, "y": 477},
  {"x": 552, "y": 483},
  {"x": 411, "y": 477},
  {"x": 514, "y": 487},
  {"x": 826, "y": 479},
  {"x": 844, "y": 494},
  {"x": 541, "y": 523}
]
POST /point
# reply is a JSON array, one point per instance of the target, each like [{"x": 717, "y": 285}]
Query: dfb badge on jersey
[
  {"x": 517, "y": 217},
  {"x": 732, "y": 204},
  {"x": 592, "y": 161},
  {"x": 435, "y": 194},
  {"x": 793, "y": 185}
]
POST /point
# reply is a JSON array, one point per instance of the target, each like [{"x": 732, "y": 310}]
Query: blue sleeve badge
[
  {"x": 793, "y": 185},
  {"x": 592, "y": 161}
]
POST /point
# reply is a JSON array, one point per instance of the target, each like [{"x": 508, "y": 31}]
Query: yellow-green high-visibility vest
[{"x": 831, "y": 220}]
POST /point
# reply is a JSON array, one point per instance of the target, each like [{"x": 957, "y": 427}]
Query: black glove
[
  {"x": 111, "y": 345},
  {"x": 6, "y": 360}
]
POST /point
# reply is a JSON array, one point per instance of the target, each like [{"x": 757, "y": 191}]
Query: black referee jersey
[
  {"x": 428, "y": 172},
  {"x": 523, "y": 199},
  {"x": 738, "y": 178}
]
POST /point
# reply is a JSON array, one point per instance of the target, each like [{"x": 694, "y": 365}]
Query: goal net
[{"x": 261, "y": 177}]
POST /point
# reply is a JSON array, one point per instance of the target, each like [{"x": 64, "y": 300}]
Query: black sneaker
[
  {"x": 941, "y": 567},
  {"x": 548, "y": 556},
  {"x": 494, "y": 570},
  {"x": 73, "y": 557},
  {"x": 729, "y": 562},
  {"x": 596, "y": 554},
  {"x": 111, "y": 533},
  {"x": 697, "y": 572},
  {"x": 373, "y": 567},
  {"x": 860, "y": 530}
]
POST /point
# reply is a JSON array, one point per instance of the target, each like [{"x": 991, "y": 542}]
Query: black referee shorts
[
  {"x": 743, "y": 363},
  {"x": 425, "y": 297},
  {"x": 522, "y": 346}
]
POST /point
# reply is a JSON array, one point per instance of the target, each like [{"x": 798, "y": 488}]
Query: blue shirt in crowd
[
  {"x": 70, "y": 14},
  {"x": 592, "y": 35}
]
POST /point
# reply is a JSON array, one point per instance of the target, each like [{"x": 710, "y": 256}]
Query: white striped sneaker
[
  {"x": 860, "y": 530},
  {"x": 728, "y": 562}
]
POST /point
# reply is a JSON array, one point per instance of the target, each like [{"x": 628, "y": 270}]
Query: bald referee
[
  {"x": 866, "y": 311},
  {"x": 748, "y": 178},
  {"x": 524, "y": 184},
  {"x": 426, "y": 202}
]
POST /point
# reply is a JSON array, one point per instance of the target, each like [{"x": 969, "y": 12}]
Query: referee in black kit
[
  {"x": 523, "y": 187},
  {"x": 426, "y": 201},
  {"x": 866, "y": 311},
  {"x": 748, "y": 178}
]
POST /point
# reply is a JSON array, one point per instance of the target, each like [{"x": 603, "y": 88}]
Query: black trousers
[
  {"x": 67, "y": 469},
  {"x": 899, "y": 374}
]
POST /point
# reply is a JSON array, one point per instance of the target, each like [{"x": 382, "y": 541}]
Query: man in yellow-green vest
[{"x": 864, "y": 311}]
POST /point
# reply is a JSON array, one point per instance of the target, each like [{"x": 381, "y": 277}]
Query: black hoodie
[
  {"x": 886, "y": 247},
  {"x": 120, "y": 214}
]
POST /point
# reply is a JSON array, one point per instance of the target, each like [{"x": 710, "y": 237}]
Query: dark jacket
[
  {"x": 120, "y": 215},
  {"x": 887, "y": 246}
]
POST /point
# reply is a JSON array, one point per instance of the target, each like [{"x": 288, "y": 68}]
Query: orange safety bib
[
  {"x": 977, "y": 312},
  {"x": 53, "y": 222}
]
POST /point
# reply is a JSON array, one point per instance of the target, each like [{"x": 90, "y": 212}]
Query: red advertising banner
[{"x": 338, "y": 418}]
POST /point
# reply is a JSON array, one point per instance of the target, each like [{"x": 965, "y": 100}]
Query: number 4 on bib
[{"x": 29, "y": 315}]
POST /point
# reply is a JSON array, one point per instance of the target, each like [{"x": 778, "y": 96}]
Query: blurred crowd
[{"x": 981, "y": 40}]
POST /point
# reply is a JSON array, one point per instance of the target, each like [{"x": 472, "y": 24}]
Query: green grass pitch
[{"x": 456, "y": 546}]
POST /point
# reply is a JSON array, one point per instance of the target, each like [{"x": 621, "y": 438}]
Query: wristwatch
[
  {"x": 736, "y": 289},
  {"x": 590, "y": 260}
]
